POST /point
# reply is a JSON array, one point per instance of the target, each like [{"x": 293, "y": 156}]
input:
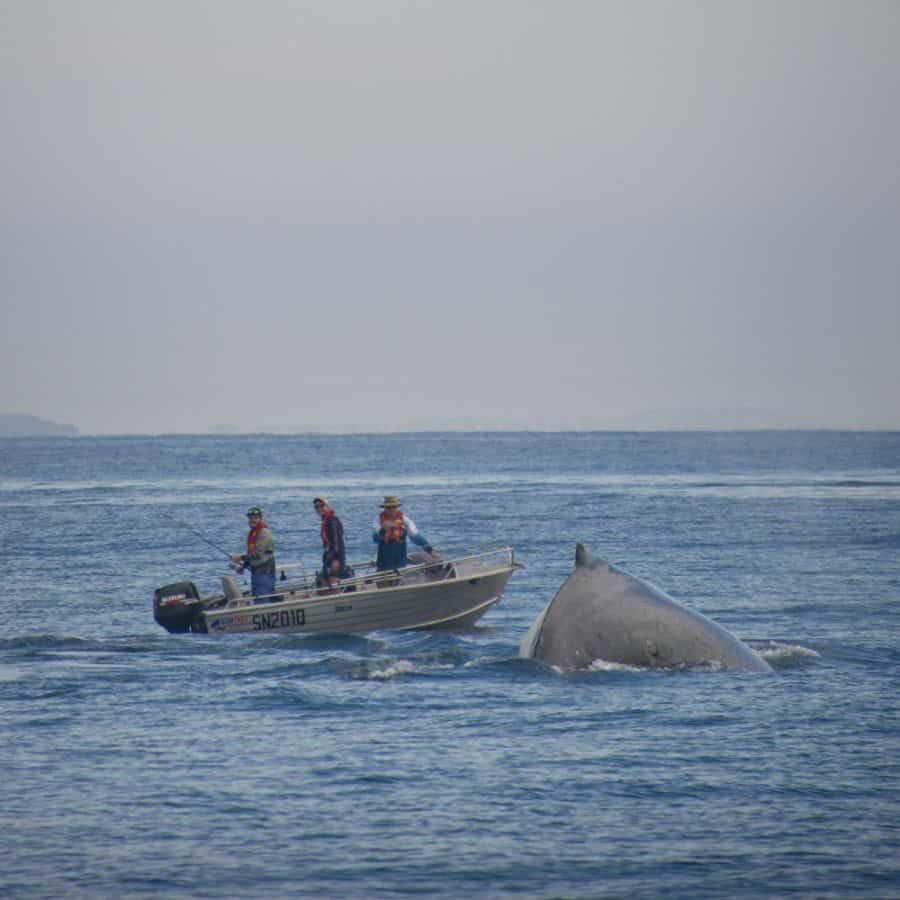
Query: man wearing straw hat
[{"x": 391, "y": 529}]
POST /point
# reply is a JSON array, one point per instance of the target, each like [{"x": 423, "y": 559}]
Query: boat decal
[
  {"x": 343, "y": 608},
  {"x": 283, "y": 618},
  {"x": 229, "y": 621}
]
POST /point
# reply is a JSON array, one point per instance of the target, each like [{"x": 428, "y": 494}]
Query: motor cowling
[{"x": 177, "y": 608}]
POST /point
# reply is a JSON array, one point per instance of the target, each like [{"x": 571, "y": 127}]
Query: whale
[{"x": 603, "y": 613}]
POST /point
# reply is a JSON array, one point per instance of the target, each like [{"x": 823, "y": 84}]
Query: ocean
[{"x": 137, "y": 763}]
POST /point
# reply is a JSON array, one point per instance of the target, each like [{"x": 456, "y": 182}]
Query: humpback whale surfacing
[{"x": 603, "y": 613}]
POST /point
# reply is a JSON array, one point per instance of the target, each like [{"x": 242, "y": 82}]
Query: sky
[{"x": 373, "y": 215}]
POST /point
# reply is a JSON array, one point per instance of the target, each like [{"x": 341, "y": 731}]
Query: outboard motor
[{"x": 177, "y": 608}]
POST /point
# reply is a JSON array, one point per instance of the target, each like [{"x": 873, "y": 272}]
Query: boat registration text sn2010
[{"x": 283, "y": 618}]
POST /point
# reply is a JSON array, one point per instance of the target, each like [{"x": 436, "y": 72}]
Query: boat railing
[{"x": 437, "y": 567}]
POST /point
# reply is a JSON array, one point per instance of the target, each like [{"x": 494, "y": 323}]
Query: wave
[
  {"x": 61, "y": 643},
  {"x": 381, "y": 671},
  {"x": 36, "y": 645},
  {"x": 879, "y": 540},
  {"x": 162, "y": 492},
  {"x": 604, "y": 665},
  {"x": 779, "y": 655}
]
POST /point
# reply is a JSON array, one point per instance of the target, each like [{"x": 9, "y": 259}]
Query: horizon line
[{"x": 212, "y": 433}]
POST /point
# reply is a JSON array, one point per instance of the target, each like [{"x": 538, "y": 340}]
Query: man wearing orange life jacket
[
  {"x": 260, "y": 556},
  {"x": 391, "y": 530},
  {"x": 334, "y": 554}
]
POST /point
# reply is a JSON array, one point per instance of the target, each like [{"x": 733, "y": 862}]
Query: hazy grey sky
[{"x": 380, "y": 214}]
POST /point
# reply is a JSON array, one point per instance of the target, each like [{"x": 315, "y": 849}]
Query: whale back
[{"x": 602, "y": 612}]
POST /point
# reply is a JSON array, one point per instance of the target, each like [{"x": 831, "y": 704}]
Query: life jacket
[
  {"x": 252, "y": 535},
  {"x": 326, "y": 515},
  {"x": 394, "y": 526}
]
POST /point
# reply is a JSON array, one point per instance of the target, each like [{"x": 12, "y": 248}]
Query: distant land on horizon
[{"x": 31, "y": 426}]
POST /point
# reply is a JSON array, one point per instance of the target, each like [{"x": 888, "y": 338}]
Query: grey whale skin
[{"x": 602, "y": 612}]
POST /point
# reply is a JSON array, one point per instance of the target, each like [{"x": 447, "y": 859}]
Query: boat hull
[{"x": 448, "y": 604}]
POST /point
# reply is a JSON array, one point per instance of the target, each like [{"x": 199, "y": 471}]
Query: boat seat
[{"x": 231, "y": 591}]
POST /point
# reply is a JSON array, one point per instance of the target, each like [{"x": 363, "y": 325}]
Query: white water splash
[
  {"x": 774, "y": 652},
  {"x": 392, "y": 670},
  {"x": 603, "y": 665}
]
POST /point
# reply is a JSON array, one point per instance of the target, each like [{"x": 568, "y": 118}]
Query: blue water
[{"x": 138, "y": 763}]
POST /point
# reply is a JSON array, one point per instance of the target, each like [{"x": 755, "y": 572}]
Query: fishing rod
[{"x": 205, "y": 539}]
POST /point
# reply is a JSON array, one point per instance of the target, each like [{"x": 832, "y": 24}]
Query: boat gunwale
[{"x": 366, "y": 585}]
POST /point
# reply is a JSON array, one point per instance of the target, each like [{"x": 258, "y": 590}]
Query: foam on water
[{"x": 780, "y": 655}]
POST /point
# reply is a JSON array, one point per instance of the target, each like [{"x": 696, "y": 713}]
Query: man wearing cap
[
  {"x": 391, "y": 530},
  {"x": 260, "y": 556},
  {"x": 334, "y": 555}
]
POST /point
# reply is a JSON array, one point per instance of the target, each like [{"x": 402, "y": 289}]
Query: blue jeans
[{"x": 260, "y": 584}]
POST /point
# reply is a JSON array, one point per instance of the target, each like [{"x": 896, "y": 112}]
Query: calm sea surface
[{"x": 137, "y": 763}]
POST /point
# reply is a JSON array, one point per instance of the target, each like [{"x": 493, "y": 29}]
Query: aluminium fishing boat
[{"x": 431, "y": 593}]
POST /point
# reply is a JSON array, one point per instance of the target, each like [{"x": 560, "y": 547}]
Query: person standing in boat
[
  {"x": 391, "y": 530},
  {"x": 260, "y": 555},
  {"x": 334, "y": 554}
]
